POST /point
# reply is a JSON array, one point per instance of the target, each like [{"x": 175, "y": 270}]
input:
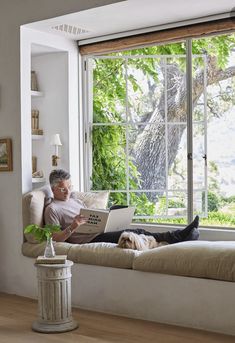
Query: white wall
[
  {"x": 13, "y": 14},
  {"x": 57, "y": 97}
]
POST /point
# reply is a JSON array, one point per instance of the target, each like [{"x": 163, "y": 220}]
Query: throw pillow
[{"x": 92, "y": 199}]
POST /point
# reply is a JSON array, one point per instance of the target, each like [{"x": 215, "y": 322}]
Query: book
[
  {"x": 37, "y": 132},
  {"x": 57, "y": 259},
  {"x": 106, "y": 220}
]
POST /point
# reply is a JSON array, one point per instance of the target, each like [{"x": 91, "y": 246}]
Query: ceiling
[{"x": 129, "y": 15}]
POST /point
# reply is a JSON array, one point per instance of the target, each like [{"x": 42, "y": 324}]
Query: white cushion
[
  {"x": 102, "y": 254},
  {"x": 211, "y": 260},
  {"x": 32, "y": 211},
  {"x": 92, "y": 199}
]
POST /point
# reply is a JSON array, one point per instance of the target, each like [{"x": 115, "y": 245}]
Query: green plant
[
  {"x": 213, "y": 201},
  {"x": 42, "y": 234}
]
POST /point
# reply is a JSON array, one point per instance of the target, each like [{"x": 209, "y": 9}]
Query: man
[{"x": 64, "y": 210}]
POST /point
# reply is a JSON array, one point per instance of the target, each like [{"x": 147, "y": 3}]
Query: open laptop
[{"x": 119, "y": 219}]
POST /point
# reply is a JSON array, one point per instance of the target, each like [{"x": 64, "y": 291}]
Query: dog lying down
[{"x": 130, "y": 240}]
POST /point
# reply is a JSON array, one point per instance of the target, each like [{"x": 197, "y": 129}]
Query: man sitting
[{"x": 64, "y": 210}]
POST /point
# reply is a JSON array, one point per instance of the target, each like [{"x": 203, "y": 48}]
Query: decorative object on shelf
[
  {"x": 34, "y": 164},
  {"x": 6, "y": 154},
  {"x": 38, "y": 174},
  {"x": 37, "y": 132},
  {"x": 35, "y": 123},
  {"x": 44, "y": 234},
  {"x": 35, "y": 119},
  {"x": 55, "y": 140},
  {"x": 34, "y": 81},
  {"x": 38, "y": 177}
]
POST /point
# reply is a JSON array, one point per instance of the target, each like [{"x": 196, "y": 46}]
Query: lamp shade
[{"x": 55, "y": 139}]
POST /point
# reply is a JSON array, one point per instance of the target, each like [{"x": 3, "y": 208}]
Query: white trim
[
  {"x": 189, "y": 128},
  {"x": 154, "y": 28}
]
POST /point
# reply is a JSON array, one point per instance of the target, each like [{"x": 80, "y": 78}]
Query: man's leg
[
  {"x": 190, "y": 233},
  {"x": 113, "y": 237}
]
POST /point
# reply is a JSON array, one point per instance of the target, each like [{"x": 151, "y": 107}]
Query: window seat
[
  {"x": 189, "y": 284},
  {"x": 200, "y": 259}
]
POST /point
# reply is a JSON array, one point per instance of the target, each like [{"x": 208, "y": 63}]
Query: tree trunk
[{"x": 150, "y": 147}]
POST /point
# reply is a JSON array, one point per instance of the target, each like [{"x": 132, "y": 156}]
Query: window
[{"x": 138, "y": 129}]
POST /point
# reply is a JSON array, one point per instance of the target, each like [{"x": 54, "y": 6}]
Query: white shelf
[
  {"x": 36, "y": 94},
  {"x": 38, "y": 179},
  {"x": 37, "y": 137}
]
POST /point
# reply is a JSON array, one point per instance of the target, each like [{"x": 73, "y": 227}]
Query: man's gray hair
[{"x": 58, "y": 175}]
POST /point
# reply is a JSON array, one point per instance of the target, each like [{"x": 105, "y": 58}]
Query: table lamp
[{"x": 55, "y": 140}]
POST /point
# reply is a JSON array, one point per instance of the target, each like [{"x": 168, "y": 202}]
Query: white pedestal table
[{"x": 54, "y": 298}]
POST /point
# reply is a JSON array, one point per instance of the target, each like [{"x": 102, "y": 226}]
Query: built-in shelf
[
  {"x": 36, "y": 94},
  {"x": 38, "y": 180},
  {"x": 37, "y": 137}
]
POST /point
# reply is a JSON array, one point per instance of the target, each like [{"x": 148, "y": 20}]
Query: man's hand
[{"x": 78, "y": 221}]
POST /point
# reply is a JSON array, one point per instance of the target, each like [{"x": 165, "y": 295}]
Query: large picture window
[{"x": 137, "y": 130}]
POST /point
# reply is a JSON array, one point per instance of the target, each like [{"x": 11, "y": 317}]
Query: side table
[{"x": 54, "y": 298}]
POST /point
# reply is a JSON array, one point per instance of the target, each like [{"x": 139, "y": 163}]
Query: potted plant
[{"x": 44, "y": 234}]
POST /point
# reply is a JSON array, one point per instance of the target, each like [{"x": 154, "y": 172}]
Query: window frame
[
  {"x": 88, "y": 80},
  {"x": 203, "y": 30}
]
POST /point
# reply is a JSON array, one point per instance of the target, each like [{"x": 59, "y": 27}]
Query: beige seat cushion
[
  {"x": 33, "y": 206},
  {"x": 102, "y": 254},
  {"x": 211, "y": 260},
  {"x": 32, "y": 211}
]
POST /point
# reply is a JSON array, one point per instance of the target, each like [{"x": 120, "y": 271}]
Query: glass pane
[
  {"x": 117, "y": 198},
  {"x": 146, "y": 203},
  {"x": 109, "y": 90},
  {"x": 177, "y": 156},
  {"x": 160, "y": 205},
  {"x": 199, "y": 84},
  {"x": 173, "y": 208},
  {"x": 147, "y": 150},
  {"x": 175, "y": 87},
  {"x": 199, "y": 156},
  {"x": 215, "y": 199},
  {"x": 145, "y": 88},
  {"x": 200, "y": 202},
  {"x": 109, "y": 158}
]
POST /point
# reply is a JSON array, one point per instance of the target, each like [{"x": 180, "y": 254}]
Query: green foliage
[
  {"x": 213, "y": 201},
  {"x": 213, "y": 219},
  {"x": 41, "y": 234},
  {"x": 218, "y": 219}
]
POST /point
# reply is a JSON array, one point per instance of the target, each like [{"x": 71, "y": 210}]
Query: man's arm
[
  {"x": 51, "y": 217},
  {"x": 62, "y": 236}
]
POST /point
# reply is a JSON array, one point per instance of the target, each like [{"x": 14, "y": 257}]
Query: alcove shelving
[{"x": 36, "y": 136}]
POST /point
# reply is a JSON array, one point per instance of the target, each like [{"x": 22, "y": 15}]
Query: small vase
[{"x": 49, "y": 249}]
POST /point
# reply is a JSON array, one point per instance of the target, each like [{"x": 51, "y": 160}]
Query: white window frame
[{"x": 87, "y": 110}]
